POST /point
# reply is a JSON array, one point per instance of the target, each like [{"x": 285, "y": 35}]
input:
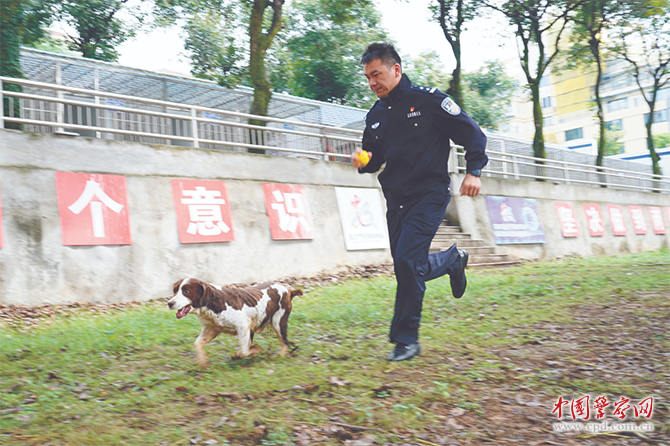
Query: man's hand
[
  {"x": 354, "y": 158},
  {"x": 471, "y": 185}
]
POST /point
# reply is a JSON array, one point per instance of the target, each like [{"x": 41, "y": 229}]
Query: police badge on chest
[{"x": 412, "y": 113}]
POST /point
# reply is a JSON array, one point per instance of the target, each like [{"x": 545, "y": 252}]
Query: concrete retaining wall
[
  {"x": 473, "y": 216},
  {"x": 36, "y": 268}
]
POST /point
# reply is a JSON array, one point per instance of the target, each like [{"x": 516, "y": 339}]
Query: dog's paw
[
  {"x": 202, "y": 365},
  {"x": 255, "y": 349}
]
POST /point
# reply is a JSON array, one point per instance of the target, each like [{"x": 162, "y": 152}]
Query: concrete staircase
[{"x": 481, "y": 256}]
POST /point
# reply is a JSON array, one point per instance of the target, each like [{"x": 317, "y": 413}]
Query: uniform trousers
[{"x": 411, "y": 230}]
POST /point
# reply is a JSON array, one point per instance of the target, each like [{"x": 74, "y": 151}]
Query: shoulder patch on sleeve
[
  {"x": 451, "y": 107},
  {"x": 424, "y": 89}
]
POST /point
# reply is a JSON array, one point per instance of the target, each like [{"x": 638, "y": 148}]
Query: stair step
[
  {"x": 452, "y": 235},
  {"x": 488, "y": 258},
  {"x": 471, "y": 249},
  {"x": 463, "y": 243},
  {"x": 449, "y": 230},
  {"x": 494, "y": 265}
]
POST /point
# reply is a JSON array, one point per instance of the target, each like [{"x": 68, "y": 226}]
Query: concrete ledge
[
  {"x": 36, "y": 268},
  {"x": 473, "y": 216}
]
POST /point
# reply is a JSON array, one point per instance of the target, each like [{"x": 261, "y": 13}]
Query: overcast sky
[{"x": 408, "y": 22}]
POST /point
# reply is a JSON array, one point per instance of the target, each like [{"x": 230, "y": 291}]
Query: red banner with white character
[
  {"x": 594, "y": 219},
  {"x": 657, "y": 219},
  {"x": 616, "y": 218},
  {"x": 566, "y": 216},
  {"x": 93, "y": 209},
  {"x": 203, "y": 211},
  {"x": 639, "y": 223},
  {"x": 288, "y": 211},
  {"x": 2, "y": 240}
]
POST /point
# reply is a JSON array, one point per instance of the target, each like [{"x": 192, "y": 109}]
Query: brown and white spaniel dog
[{"x": 241, "y": 311}]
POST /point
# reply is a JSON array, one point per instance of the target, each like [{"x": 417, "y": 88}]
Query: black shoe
[
  {"x": 403, "y": 352},
  {"x": 457, "y": 279}
]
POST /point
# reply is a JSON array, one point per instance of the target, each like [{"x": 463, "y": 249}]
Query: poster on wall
[
  {"x": 93, "y": 209},
  {"x": 203, "y": 211},
  {"x": 639, "y": 223},
  {"x": 362, "y": 218},
  {"x": 515, "y": 220},
  {"x": 657, "y": 219},
  {"x": 566, "y": 217},
  {"x": 2, "y": 240},
  {"x": 616, "y": 218},
  {"x": 288, "y": 211},
  {"x": 594, "y": 219}
]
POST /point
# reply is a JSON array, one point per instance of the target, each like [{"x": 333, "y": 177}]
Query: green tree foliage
[
  {"x": 453, "y": 15},
  {"x": 322, "y": 48},
  {"x": 22, "y": 22},
  {"x": 215, "y": 52},
  {"x": 99, "y": 25},
  {"x": 644, "y": 41},
  {"x": 427, "y": 70},
  {"x": 612, "y": 144},
  {"x": 662, "y": 140},
  {"x": 532, "y": 21},
  {"x": 488, "y": 93}
]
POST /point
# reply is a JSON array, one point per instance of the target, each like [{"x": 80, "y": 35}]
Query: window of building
[
  {"x": 615, "y": 125},
  {"x": 548, "y": 121},
  {"x": 546, "y": 102},
  {"x": 663, "y": 94},
  {"x": 659, "y": 116},
  {"x": 617, "y": 104},
  {"x": 573, "y": 134},
  {"x": 545, "y": 81}
]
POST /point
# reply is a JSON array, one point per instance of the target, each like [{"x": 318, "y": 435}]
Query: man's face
[{"x": 382, "y": 78}]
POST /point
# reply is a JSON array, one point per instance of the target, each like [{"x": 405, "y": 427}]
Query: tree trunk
[
  {"x": 538, "y": 138},
  {"x": 455, "y": 84},
  {"x": 259, "y": 44},
  {"x": 656, "y": 169},
  {"x": 11, "y": 17}
]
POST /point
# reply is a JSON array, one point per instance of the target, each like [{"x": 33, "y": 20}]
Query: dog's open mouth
[{"x": 183, "y": 312}]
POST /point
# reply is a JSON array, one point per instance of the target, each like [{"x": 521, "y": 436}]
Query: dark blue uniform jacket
[{"x": 410, "y": 131}]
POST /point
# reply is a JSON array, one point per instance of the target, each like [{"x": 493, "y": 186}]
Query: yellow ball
[{"x": 363, "y": 158}]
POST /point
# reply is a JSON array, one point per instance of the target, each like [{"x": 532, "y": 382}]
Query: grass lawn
[{"x": 492, "y": 366}]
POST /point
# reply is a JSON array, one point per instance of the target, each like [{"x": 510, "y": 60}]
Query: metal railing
[
  {"x": 76, "y": 111},
  {"x": 61, "y": 109}
]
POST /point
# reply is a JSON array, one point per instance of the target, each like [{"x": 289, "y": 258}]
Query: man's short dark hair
[{"x": 383, "y": 51}]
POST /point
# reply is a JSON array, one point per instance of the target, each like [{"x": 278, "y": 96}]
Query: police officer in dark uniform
[{"x": 408, "y": 129}]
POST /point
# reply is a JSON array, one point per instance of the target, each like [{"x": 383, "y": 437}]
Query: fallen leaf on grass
[
  {"x": 452, "y": 424},
  {"x": 382, "y": 391},
  {"x": 456, "y": 412},
  {"x": 181, "y": 389},
  {"x": 337, "y": 381},
  {"x": 232, "y": 396}
]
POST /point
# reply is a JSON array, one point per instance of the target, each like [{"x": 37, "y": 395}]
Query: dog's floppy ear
[
  {"x": 176, "y": 286},
  {"x": 203, "y": 295}
]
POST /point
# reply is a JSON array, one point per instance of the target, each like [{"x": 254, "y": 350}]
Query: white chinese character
[
  {"x": 91, "y": 191},
  {"x": 595, "y": 222},
  {"x": 656, "y": 219},
  {"x": 638, "y": 219},
  {"x": 289, "y": 203},
  {"x": 204, "y": 210},
  {"x": 617, "y": 220},
  {"x": 567, "y": 219}
]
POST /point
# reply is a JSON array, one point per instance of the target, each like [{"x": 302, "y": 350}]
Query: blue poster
[{"x": 515, "y": 220}]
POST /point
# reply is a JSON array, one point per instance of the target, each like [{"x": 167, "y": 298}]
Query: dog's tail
[{"x": 295, "y": 293}]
